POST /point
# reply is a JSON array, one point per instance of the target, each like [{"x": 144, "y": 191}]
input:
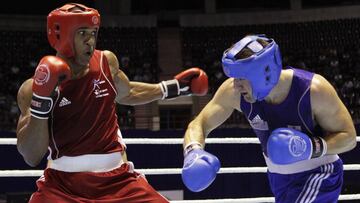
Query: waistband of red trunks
[{"x": 87, "y": 163}]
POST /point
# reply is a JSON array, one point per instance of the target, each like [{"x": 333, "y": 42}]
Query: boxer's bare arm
[
  {"x": 128, "y": 92},
  {"x": 224, "y": 102},
  {"x": 333, "y": 117},
  {"x": 32, "y": 133}
]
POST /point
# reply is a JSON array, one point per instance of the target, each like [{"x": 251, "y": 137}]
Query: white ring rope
[
  {"x": 240, "y": 200},
  {"x": 168, "y": 171},
  {"x": 257, "y": 199},
  {"x": 163, "y": 171},
  {"x": 225, "y": 140},
  {"x": 247, "y": 140}
]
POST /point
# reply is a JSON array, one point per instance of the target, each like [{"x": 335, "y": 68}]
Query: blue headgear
[{"x": 262, "y": 69}]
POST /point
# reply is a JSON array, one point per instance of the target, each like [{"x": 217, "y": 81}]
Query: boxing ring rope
[
  {"x": 226, "y": 140},
  {"x": 171, "y": 171},
  {"x": 247, "y": 140},
  {"x": 163, "y": 171},
  {"x": 256, "y": 199}
]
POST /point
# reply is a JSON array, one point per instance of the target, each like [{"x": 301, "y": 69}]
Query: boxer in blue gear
[{"x": 297, "y": 115}]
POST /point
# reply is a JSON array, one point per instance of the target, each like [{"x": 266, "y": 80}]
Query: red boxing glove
[
  {"x": 50, "y": 71},
  {"x": 193, "y": 81},
  {"x": 48, "y": 74}
]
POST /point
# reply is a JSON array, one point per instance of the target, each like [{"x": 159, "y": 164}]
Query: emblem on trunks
[{"x": 98, "y": 90}]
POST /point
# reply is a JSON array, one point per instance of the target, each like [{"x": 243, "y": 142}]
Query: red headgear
[{"x": 63, "y": 22}]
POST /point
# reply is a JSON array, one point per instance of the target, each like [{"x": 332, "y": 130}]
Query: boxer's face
[
  {"x": 244, "y": 87},
  {"x": 84, "y": 44}
]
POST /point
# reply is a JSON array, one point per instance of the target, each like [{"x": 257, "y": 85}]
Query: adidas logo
[
  {"x": 258, "y": 124},
  {"x": 256, "y": 119},
  {"x": 64, "y": 102}
]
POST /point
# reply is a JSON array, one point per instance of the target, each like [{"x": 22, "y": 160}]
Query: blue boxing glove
[
  {"x": 287, "y": 146},
  {"x": 200, "y": 168}
]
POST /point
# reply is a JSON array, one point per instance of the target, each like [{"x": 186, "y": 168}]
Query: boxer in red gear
[{"x": 68, "y": 108}]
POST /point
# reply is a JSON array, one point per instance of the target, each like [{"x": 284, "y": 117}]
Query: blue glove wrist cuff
[
  {"x": 319, "y": 147},
  {"x": 192, "y": 145}
]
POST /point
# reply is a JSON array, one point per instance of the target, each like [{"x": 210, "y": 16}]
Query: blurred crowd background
[{"x": 154, "y": 40}]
